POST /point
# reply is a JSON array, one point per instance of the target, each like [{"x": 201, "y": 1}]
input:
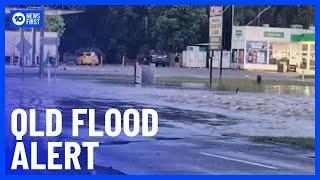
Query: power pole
[
  {"x": 227, "y": 23},
  {"x": 21, "y": 62},
  {"x": 210, "y": 66},
  {"x": 41, "y": 65},
  {"x": 34, "y": 32}
]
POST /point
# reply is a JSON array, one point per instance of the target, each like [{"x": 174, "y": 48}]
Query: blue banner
[{"x": 26, "y": 18}]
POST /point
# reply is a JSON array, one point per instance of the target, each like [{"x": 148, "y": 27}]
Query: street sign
[
  {"x": 215, "y": 42},
  {"x": 138, "y": 74},
  {"x": 238, "y": 32},
  {"x": 51, "y": 41},
  {"x": 273, "y": 34},
  {"x": 216, "y": 11},
  {"x": 24, "y": 46},
  {"x": 215, "y": 27}
]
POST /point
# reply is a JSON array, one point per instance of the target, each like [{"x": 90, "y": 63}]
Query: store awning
[{"x": 304, "y": 37}]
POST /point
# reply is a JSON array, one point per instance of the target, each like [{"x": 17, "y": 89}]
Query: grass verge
[
  {"x": 231, "y": 84},
  {"x": 121, "y": 79},
  {"x": 232, "y": 80},
  {"x": 297, "y": 141},
  {"x": 227, "y": 84}
]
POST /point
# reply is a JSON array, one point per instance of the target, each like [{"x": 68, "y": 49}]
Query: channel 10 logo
[{"x": 26, "y": 18}]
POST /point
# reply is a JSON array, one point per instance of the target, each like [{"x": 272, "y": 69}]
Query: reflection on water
[
  {"x": 194, "y": 85},
  {"x": 290, "y": 89}
]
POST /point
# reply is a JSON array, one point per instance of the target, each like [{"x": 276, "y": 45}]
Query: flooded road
[{"x": 200, "y": 131}]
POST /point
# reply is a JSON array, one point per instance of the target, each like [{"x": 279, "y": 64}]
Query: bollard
[
  {"x": 259, "y": 79},
  {"x": 135, "y": 73},
  {"x": 122, "y": 61}
]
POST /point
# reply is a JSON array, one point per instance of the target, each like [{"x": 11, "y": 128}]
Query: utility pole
[
  {"x": 34, "y": 32},
  {"x": 147, "y": 31},
  {"x": 21, "y": 62},
  {"x": 227, "y": 24},
  {"x": 41, "y": 65},
  {"x": 221, "y": 50},
  {"x": 210, "y": 66}
]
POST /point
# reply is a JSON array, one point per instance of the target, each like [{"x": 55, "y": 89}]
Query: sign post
[
  {"x": 23, "y": 47},
  {"x": 215, "y": 35},
  {"x": 41, "y": 66},
  {"x": 33, "y": 18}
]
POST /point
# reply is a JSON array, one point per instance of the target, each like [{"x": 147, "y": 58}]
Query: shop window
[
  {"x": 305, "y": 47},
  {"x": 256, "y": 52},
  {"x": 311, "y": 47},
  {"x": 241, "y": 56},
  {"x": 312, "y": 57},
  {"x": 237, "y": 56},
  {"x": 234, "y": 56},
  {"x": 278, "y": 52},
  {"x": 295, "y": 51},
  {"x": 272, "y": 60},
  {"x": 304, "y": 58}
]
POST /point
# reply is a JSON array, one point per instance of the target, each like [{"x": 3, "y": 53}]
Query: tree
[
  {"x": 54, "y": 24},
  {"x": 276, "y": 16},
  {"x": 132, "y": 30},
  {"x": 175, "y": 27},
  {"x": 117, "y": 30}
]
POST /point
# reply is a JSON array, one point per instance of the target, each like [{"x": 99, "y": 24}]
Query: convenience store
[{"x": 263, "y": 48}]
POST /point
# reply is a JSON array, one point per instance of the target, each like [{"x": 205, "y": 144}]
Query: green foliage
[
  {"x": 133, "y": 30},
  {"x": 54, "y": 24},
  {"x": 177, "y": 26},
  {"x": 276, "y": 16}
]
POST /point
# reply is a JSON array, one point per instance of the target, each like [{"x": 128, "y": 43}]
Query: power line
[{"x": 259, "y": 14}]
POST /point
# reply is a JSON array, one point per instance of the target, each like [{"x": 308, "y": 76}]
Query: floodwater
[
  {"x": 290, "y": 89},
  {"x": 191, "y": 117},
  {"x": 264, "y": 88}
]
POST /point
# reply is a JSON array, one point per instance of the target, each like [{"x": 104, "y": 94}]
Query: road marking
[{"x": 239, "y": 160}]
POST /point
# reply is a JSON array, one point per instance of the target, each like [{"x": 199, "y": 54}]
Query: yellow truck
[{"x": 88, "y": 58}]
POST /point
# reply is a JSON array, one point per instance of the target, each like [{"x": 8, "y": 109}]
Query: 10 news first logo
[{"x": 26, "y": 18}]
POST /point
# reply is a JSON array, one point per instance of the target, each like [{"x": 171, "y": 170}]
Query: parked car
[
  {"x": 158, "y": 57},
  {"x": 88, "y": 58}
]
